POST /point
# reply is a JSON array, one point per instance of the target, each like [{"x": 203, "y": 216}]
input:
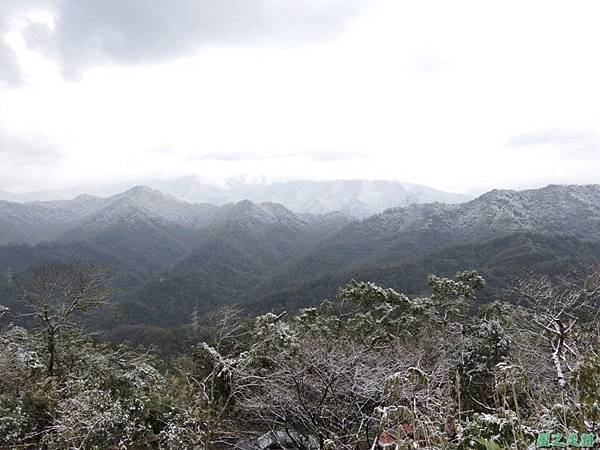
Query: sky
[{"x": 462, "y": 96}]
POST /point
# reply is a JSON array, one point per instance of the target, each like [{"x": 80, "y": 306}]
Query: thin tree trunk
[{"x": 51, "y": 352}]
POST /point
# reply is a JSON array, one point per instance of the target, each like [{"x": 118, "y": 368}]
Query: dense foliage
[{"x": 433, "y": 371}]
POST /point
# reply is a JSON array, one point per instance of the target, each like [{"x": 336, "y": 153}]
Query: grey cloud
[
  {"x": 10, "y": 72},
  {"x": 574, "y": 143},
  {"x": 39, "y": 37},
  {"x": 12, "y": 8},
  {"x": 90, "y": 32}
]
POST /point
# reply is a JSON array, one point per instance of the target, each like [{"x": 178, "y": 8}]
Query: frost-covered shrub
[
  {"x": 104, "y": 399},
  {"x": 487, "y": 345},
  {"x": 182, "y": 431},
  {"x": 504, "y": 430},
  {"x": 19, "y": 406},
  {"x": 14, "y": 424},
  {"x": 384, "y": 313},
  {"x": 271, "y": 329},
  {"x": 19, "y": 358},
  {"x": 94, "y": 418},
  {"x": 586, "y": 377},
  {"x": 570, "y": 415}
]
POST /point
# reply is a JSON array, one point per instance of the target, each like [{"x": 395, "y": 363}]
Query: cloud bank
[{"x": 87, "y": 33}]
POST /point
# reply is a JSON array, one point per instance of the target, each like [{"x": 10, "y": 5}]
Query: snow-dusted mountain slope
[
  {"x": 419, "y": 229},
  {"x": 86, "y": 216}
]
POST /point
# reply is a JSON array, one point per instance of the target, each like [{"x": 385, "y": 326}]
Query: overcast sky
[{"x": 458, "y": 95}]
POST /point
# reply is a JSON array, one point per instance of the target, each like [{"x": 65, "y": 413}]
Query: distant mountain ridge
[
  {"x": 358, "y": 198},
  {"x": 85, "y": 215},
  {"x": 399, "y": 232}
]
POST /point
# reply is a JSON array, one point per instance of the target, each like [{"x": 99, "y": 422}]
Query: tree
[
  {"x": 57, "y": 294},
  {"x": 210, "y": 379},
  {"x": 561, "y": 314}
]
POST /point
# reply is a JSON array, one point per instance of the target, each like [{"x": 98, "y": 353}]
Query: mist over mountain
[
  {"x": 172, "y": 258},
  {"x": 359, "y": 198}
]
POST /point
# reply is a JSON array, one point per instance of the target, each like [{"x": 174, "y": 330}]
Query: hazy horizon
[{"x": 124, "y": 185}]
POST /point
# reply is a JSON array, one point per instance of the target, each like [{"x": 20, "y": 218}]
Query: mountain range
[
  {"x": 172, "y": 259},
  {"x": 358, "y": 198}
]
